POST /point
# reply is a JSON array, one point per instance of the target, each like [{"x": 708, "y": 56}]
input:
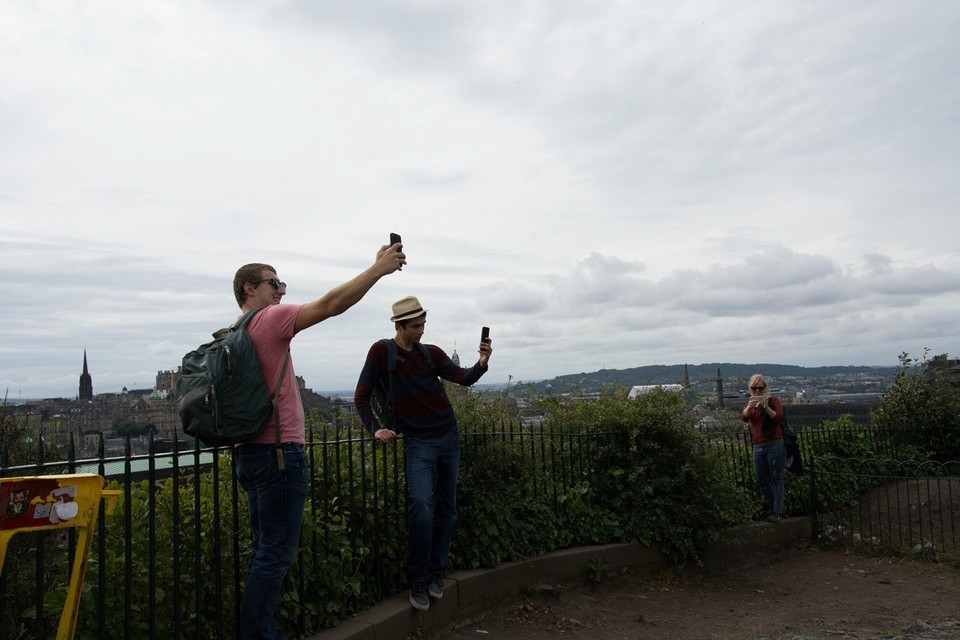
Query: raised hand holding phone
[
  {"x": 485, "y": 348},
  {"x": 395, "y": 240}
]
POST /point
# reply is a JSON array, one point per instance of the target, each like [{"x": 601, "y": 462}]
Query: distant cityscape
[
  {"x": 113, "y": 416},
  {"x": 825, "y": 391}
]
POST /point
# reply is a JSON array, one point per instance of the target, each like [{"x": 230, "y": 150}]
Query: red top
[{"x": 755, "y": 418}]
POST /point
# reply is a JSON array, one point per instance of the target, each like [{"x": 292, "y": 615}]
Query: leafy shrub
[
  {"x": 922, "y": 408},
  {"x": 582, "y": 520},
  {"x": 500, "y": 515},
  {"x": 653, "y": 471},
  {"x": 353, "y": 544}
]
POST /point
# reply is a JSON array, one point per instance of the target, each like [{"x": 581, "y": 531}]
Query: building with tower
[{"x": 86, "y": 381}]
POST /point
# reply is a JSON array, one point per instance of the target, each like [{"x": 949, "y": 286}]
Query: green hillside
[{"x": 699, "y": 375}]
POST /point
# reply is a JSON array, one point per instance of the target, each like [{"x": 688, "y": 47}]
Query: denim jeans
[
  {"x": 432, "y": 466},
  {"x": 275, "y": 500},
  {"x": 768, "y": 462}
]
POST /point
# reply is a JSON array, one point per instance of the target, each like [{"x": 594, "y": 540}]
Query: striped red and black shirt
[{"x": 419, "y": 400}]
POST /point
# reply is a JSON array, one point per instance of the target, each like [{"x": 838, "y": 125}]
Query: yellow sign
[{"x": 55, "y": 502}]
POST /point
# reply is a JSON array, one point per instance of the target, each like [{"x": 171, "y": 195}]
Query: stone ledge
[{"x": 468, "y": 594}]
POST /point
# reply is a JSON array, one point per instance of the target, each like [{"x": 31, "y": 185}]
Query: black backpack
[
  {"x": 381, "y": 397},
  {"x": 222, "y": 395},
  {"x": 794, "y": 460}
]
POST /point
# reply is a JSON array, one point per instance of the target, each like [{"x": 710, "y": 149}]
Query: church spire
[
  {"x": 86, "y": 381},
  {"x": 719, "y": 388}
]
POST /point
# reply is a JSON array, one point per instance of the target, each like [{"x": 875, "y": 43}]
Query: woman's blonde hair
[{"x": 756, "y": 379}]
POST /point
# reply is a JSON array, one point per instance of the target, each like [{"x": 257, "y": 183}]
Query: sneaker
[
  {"x": 435, "y": 587},
  {"x": 418, "y": 596},
  {"x": 774, "y": 518}
]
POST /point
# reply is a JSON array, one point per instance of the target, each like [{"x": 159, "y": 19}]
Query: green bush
[
  {"x": 922, "y": 408},
  {"x": 653, "y": 472},
  {"x": 353, "y": 544},
  {"x": 500, "y": 516},
  {"x": 600, "y": 470}
]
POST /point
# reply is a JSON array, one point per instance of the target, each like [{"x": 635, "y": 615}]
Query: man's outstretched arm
[{"x": 344, "y": 296}]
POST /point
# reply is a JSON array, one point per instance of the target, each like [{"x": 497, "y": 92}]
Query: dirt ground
[{"x": 815, "y": 593}]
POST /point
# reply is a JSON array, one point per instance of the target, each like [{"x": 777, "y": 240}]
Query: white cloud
[{"x": 603, "y": 184}]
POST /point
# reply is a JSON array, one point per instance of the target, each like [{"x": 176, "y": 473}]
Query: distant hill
[{"x": 699, "y": 374}]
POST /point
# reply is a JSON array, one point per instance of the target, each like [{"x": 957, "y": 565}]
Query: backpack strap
[
  {"x": 391, "y": 354},
  {"x": 426, "y": 354},
  {"x": 391, "y": 367},
  {"x": 238, "y": 325},
  {"x": 245, "y": 320},
  {"x": 425, "y": 350},
  {"x": 276, "y": 409}
]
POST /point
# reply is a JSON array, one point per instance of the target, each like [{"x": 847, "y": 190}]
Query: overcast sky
[{"x": 604, "y": 184}]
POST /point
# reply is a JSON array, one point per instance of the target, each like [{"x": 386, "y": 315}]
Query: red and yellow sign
[{"x": 54, "y": 502}]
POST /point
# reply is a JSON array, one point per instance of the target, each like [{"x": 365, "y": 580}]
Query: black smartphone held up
[
  {"x": 485, "y": 334},
  {"x": 394, "y": 239}
]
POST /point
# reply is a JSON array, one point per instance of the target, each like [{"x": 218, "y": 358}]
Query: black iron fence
[
  {"x": 904, "y": 506},
  {"x": 171, "y": 564}
]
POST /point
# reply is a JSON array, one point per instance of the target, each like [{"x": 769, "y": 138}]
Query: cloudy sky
[{"x": 604, "y": 184}]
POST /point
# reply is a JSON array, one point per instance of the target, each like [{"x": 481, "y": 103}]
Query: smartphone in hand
[
  {"x": 395, "y": 239},
  {"x": 485, "y": 334}
]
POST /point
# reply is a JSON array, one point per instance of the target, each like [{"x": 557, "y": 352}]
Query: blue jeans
[
  {"x": 275, "y": 500},
  {"x": 768, "y": 462},
  {"x": 433, "y": 465}
]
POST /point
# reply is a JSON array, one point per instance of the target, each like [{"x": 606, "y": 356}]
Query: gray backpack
[{"x": 222, "y": 395}]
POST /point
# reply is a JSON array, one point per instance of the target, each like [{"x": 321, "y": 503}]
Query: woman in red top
[{"x": 765, "y": 413}]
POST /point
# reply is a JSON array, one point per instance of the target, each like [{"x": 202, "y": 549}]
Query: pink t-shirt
[{"x": 272, "y": 330}]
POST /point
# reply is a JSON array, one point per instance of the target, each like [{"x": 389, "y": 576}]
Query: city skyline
[{"x": 165, "y": 379}]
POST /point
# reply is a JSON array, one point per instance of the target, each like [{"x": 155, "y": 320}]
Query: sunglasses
[
  {"x": 758, "y": 388},
  {"x": 273, "y": 282}
]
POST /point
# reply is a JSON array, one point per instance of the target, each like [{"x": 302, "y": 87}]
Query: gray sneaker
[
  {"x": 418, "y": 596},
  {"x": 435, "y": 587}
]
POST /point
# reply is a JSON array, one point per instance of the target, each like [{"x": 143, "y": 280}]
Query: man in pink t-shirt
[{"x": 274, "y": 475}]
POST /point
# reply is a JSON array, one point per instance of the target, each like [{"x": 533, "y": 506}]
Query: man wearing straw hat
[{"x": 421, "y": 411}]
